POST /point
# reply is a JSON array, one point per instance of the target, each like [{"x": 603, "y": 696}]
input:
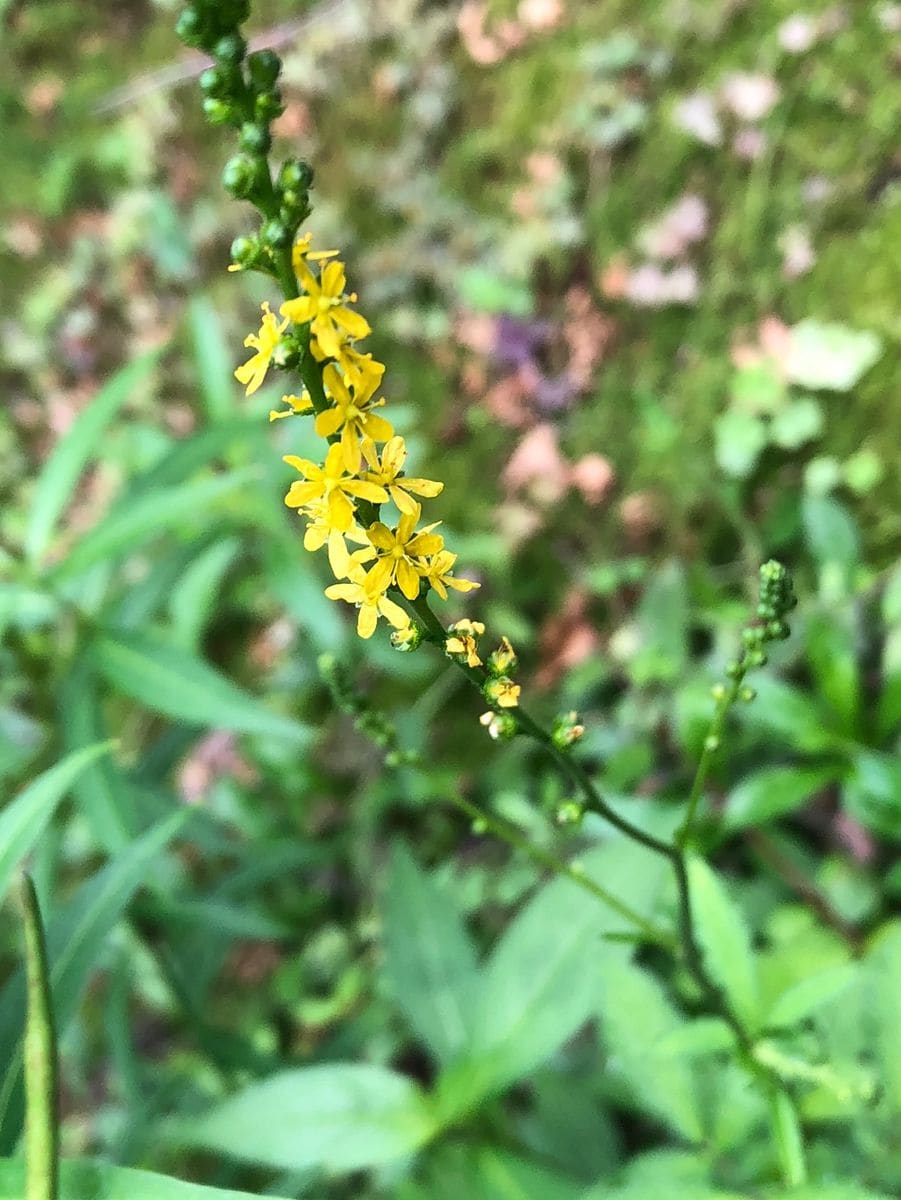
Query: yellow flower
[
  {"x": 371, "y": 602},
  {"x": 503, "y": 659},
  {"x": 329, "y": 484},
  {"x": 462, "y": 641},
  {"x": 503, "y": 692},
  {"x": 353, "y": 415},
  {"x": 359, "y": 368},
  {"x": 301, "y": 251},
  {"x": 296, "y": 404},
  {"x": 323, "y": 306},
  {"x": 385, "y": 470},
  {"x": 438, "y": 571},
  {"x": 320, "y": 532},
  {"x": 400, "y": 548},
  {"x": 253, "y": 372}
]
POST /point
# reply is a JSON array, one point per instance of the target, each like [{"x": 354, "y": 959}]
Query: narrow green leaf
[
  {"x": 213, "y": 359},
  {"x": 64, "y": 466},
  {"x": 24, "y": 819},
  {"x": 194, "y": 596},
  {"x": 883, "y": 968},
  {"x": 725, "y": 941},
  {"x": 146, "y": 517},
  {"x": 832, "y": 653},
  {"x": 166, "y": 679},
  {"x": 789, "y": 1139},
  {"x": 76, "y": 938},
  {"x": 341, "y": 1117},
  {"x": 430, "y": 963},
  {"x": 84, "y": 1180},
  {"x": 637, "y": 1022},
  {"x": 773, "y": 792}
]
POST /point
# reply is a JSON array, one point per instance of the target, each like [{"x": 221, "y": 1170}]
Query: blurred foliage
[{"x": 634, "y": 270}]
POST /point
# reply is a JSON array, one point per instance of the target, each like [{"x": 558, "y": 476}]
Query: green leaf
[
  {"x": 773, "y": 792},
  {"x": 798, "y": 422},
  {"x": 788, "y": 713},
  {"x": 84, "y": 1180},
  {"x": 831, "y": 534},
  {"x": 195, "y": 595},
  {"x": 430, "y": 963},
  {"x": 25, "y": 818},
  {"x": 801, "y": 999},
  {"x": 872, "y": 793},
  {"x": 486, "y": 1173},
  {"x": 61, "y": 472},
  {"x": 739, "y": 438},
  {"x": 212, "y": 358},
  {"x": 789, "y": 1138},
  {"x": 833, "y": 657},
  {"x": 76, "y": 938},
  {"x": 829, "y": 1191},
  {"x": 724, "y": 941},
  {"x": 166, "y": 679},
  {"x": 340, "y": 1117},
  {"x": 832, "y": 357},
  {"x": 147, "y": 516},
  {"x": 883, "y": 970},
  {"x": 663, "y": 626},
  {"x": 637, "y": 1022}
]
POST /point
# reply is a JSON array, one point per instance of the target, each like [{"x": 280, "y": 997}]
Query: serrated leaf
[
  {"x": 340, "y": 1117},
  {"x": 430, "y": 962},
  {"x": 773, "y": 792},
  {"x": 81, "y": 1179},
  {"x": 63, "y": 468},
  {"x": 168, "y": 680},
  {"x": 147, "y": 516},
  {"x": 24, "y": 819},
  {"x": 724, "y": 941}
]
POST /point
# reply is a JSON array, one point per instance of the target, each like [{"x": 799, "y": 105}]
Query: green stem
[
  {"x": 570, "y": 870},
  {"x": 711, "y": 745},
  {"x": 40, "y": 1057}
]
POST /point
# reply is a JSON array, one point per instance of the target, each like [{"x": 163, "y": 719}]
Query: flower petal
[
  {"x": 299, "y": 311},
  {"x": 425, "y": 543},
  {"x": 393, "y": 613},
  {"x": 377, "y": 427},
  {"x": 332, "y": 279},
  {"x": 407, "y": 579},
  {"x": 329, "y": 422},
  {"x": 423, "y": 487},
  {"x": 367, "y": 620},
  {"x": 300, "y": 493},
  {"x": 340, "y": 511},
  {"x": 381, "y": 536},
  {"x": 354, "y": 324},
  {"x": 307, "y": 468}
]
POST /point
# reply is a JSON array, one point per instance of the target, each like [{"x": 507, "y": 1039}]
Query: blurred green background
[{"x": 634, "y": 269}]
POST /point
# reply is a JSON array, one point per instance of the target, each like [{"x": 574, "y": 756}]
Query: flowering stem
[
  {"x": 711, "y": 745},
  {"x": 570, "y": 870}
]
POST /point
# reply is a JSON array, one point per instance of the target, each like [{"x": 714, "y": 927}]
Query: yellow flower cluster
[{"x": 364, "y": 465}]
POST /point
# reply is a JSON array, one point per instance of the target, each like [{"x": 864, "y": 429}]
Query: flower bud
[
  {"x": 244, "y": 252},
  {"x": 230, "y": 49},
  {"x": 566, "y": 730},
  {"x": 570, "y": 812},
  {"x": 501, "y": 726},
  {"x": 295, "y": 175},
  {"x": 264, "y": 66},
  {"x": 502, "y": 660},
  {"x": 240, "y": 176},
  {"x": 275, "y": 234},
  {"x": 218, "y": 112},
  {"x": 214, "y": 82},
  {"x": 254, "y": 138},
  {"x": 408, "y": 639},
  {"x": 191, "y": 27},
  {"x": 268, "y": 105}
]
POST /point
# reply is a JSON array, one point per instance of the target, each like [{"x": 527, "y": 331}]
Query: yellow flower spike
[
  {"x": 371, "y": 603},
  {"x": 386, "y": 468},
  {"x": 324, "y": 308},
  {"x": 329, "y": 484},
  {"x": 437, "y": 571},
  {"x": 502, "y": 691},
  {"x": 253, "y": 372},
  {"x": 399, "y": 549},
  {"x": 352, "y": 414},
  {"x": 461, "y": 641},
  {"x": 296, "y": 405}
]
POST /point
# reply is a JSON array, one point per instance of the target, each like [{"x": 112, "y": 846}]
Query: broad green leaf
[
  {"x": 195, "y": 594},
  {"x": 832, "y": 535},
  {"x": 168, "y": 680},
  {"x": 663, "y": 627},
  {"x": 76, "y": 939},
  {"x": 788, "y": 713},
  {"x": 872, "y": 793},
  {"x": 61, "y": 472},
  {"x": 541, "y": 981},
  {"x": 341, "y": 1117},
  {"x": 487, "y": 1173},
  {"x": 798, "y": 422},
  {"x": 724, "y": 941},
  {"x": 801, "y": 999},
  {"x": 150, "y": 514},
  {"x": 430, "y": 963},
  {"x": 698, "y": 1038},
  {"x": 84, "y": 1180},
  {"x": 213, "y": 359},
  {"x": 773, "y": 792},
  {"x": 24, "y": 819},
  {"x": 830, "y": 356},
  {"x": 833, "y": 657},
  {"x": 739, "y": 438},
  {"x": 636, "y": 1023},
  {"x": 883, "y": 968}
]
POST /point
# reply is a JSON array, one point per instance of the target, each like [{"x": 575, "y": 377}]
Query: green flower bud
[
  {"x": 295, "y": 175},
  {"x": 245, "y": 251},
  {"x": 276, "y": 235},
  {"x": 264, "y": 66},
  {"x": 191, "y": 28},
  {"x": 214, "y": 82},
  {"x": 230, "y": 49},
  {"x": 240, "y": 176},
  {"x": 570, "y": 812},
  {"x": 747, "y": 694},
  {"x": 268, "y": 105},
  {"x": 711, "y": 743},
  {"x": 254, "y": 138},
  {"x": 218, "y": 112},
  {"x": 408, "y": 639}
]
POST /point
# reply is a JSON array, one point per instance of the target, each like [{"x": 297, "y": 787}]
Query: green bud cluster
[
  {"x": 241, "y": 90},
  {"x": 369, "y": 721},
  {"x": 776, "y": 600}
]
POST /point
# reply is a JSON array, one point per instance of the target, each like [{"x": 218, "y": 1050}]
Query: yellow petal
[
  {"x": 307, "y": 468},
  {"x": 366, "y": 490},
  {"x": 332, "y": 279},
  {"x": 329, "y": 422},
  {"x": 377, "y": 428},
  {"x": 340, "y": 511},
  {"x": 405, "y": 503},
  {"x": 407, "y": 579},
  {"x": 393, "y": 613},
  {"x": 302, "y": 493},
  {"x": 381, "y": 536},
  {"x": 355, "y": 324},
  {"x": 299, "y": 311},
  {"x": 423, "y": 487},
  {"x": 367, "y": 620},
  {"x": 379, "y": 577}
]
